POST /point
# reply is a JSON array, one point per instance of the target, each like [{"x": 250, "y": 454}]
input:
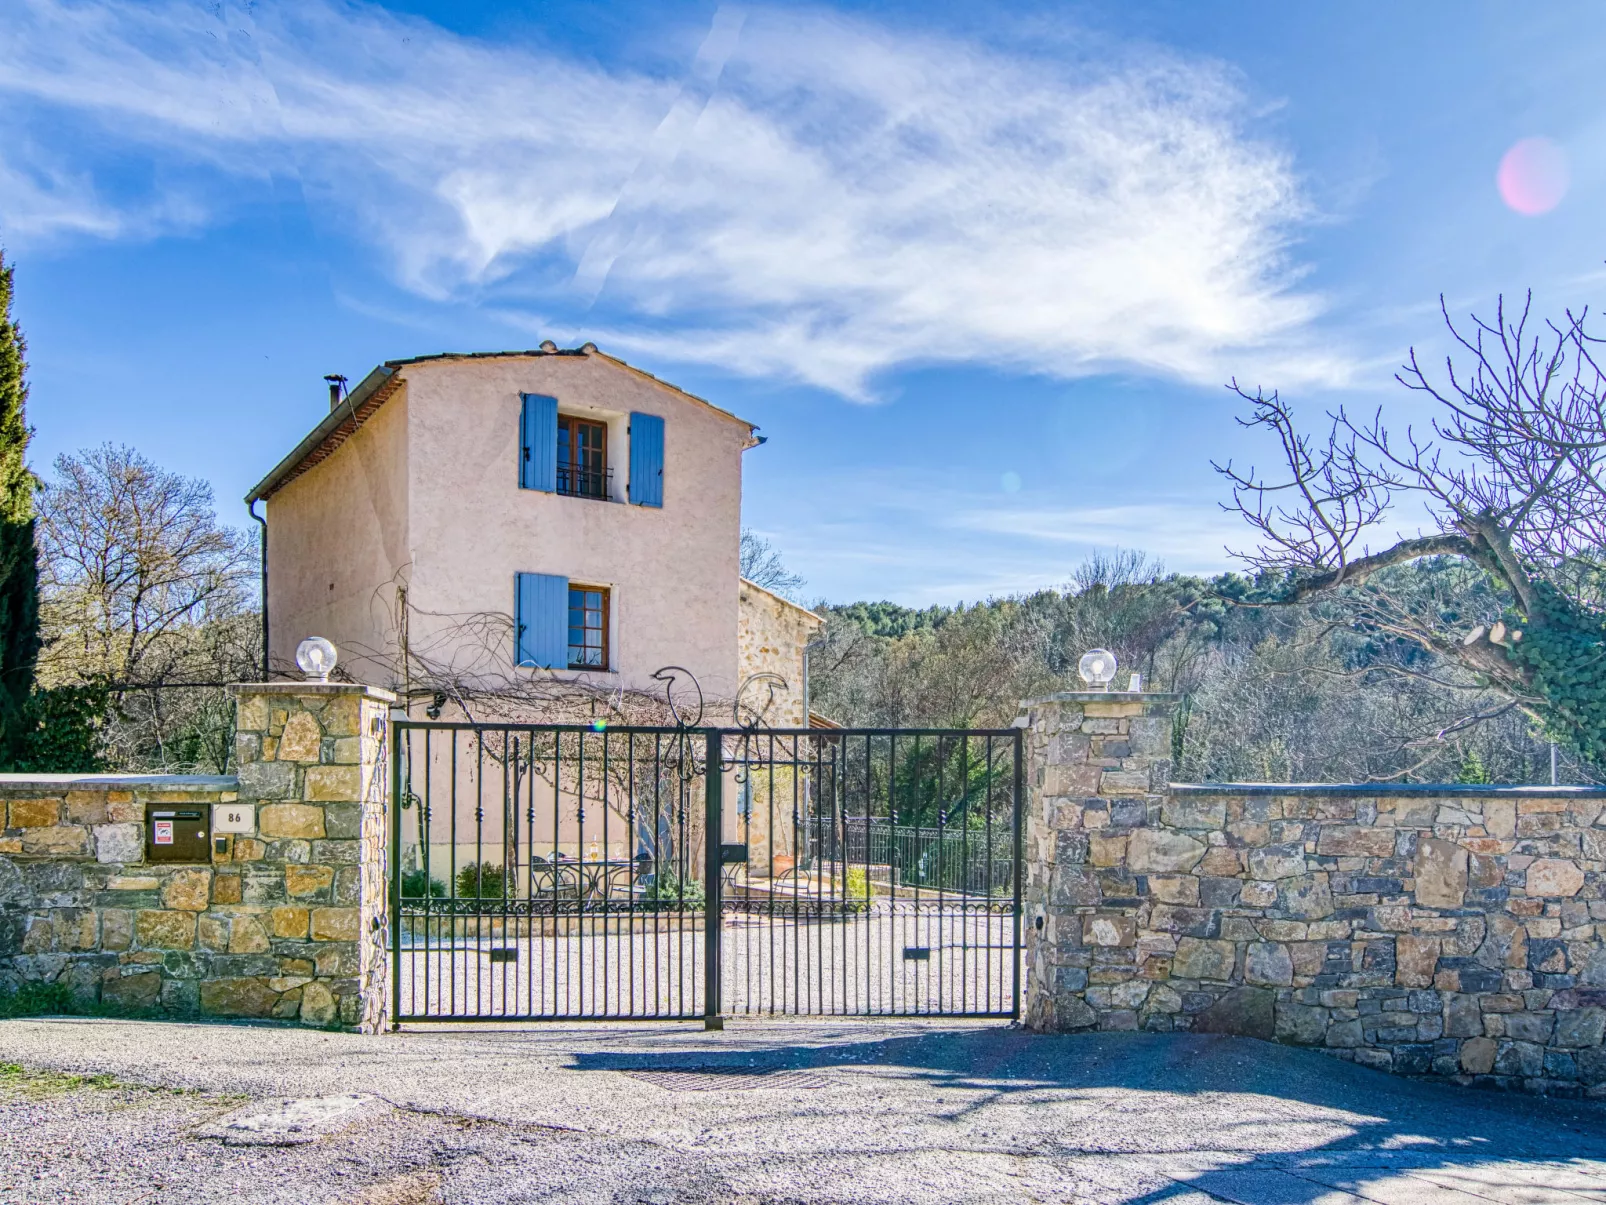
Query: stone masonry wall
[
  {"x": 77, "y": 903},
  {"x": 288, "y": 923},
  {"x": 1444, "y": 930},
  {"x": 770, "y": 635},
  {"x": 313, "y": 758}
]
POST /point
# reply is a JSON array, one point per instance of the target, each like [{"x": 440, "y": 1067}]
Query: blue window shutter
[
  {"x": 541, "y": 633},
  {"x": 646, "y": 459},
  {"x": 538, "y": 443}
]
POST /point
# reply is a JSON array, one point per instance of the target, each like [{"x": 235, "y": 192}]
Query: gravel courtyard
[
  {"x": 646, "y": 966},
  {"x": 772, "y": 1113}
]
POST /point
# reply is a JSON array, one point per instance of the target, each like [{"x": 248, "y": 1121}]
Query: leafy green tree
[
  {"x": 19, "y": 561},
  {"x": 889, "y": 619}
]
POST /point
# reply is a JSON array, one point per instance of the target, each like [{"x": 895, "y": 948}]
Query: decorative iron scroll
[
  {"x": 669, "y": 675},
  {"x": 773, "y": 682}
]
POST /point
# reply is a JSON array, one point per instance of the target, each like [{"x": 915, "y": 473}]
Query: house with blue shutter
[{"x": 510, "y": 524}]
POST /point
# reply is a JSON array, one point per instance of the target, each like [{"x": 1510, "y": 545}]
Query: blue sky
[{"x": 979, "y": 272}]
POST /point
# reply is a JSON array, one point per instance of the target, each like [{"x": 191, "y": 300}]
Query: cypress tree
[{"x": 19, "y": 558}]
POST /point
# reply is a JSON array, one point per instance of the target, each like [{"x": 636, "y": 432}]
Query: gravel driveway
[
  {"x": 933, "y": 960},
  {"x": 784, "y": 1112}
]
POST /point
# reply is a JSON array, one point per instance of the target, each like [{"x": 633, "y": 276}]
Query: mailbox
[{"x": 176, "y": 835}]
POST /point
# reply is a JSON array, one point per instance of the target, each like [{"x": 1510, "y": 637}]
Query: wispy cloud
[
  {"x": 1185, "y": 534},
  {"x": 917, "y": 537},
  {"x": 40, "y": 201},
  {"x": 820, "y": 200}
]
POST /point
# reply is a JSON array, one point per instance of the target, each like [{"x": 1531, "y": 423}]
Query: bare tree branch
[{"x": 1511, "y": 470}]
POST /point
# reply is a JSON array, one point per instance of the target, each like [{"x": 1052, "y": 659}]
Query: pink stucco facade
[{"x": 423, "y": 497}]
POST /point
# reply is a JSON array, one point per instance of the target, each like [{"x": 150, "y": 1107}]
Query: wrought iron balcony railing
[{"x": 579, "y": 482}]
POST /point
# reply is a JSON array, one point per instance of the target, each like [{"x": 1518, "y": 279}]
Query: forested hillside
[{"x": 1278, "y": 693}]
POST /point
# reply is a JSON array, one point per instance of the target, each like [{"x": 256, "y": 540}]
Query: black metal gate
[{"x": 564, "y": 872}]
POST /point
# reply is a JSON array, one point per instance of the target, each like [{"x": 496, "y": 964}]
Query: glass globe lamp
[
  {"x": 1097, "y": 668},
  {"x": 316, "y": 657}
]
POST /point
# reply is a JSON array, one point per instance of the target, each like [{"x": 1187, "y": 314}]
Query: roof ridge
[
  {"x": 781, "y": 598},
  {"x": 376, "y": 388}
]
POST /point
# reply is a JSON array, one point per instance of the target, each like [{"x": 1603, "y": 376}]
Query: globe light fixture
[
  {"x": 316, "y": 657},
  {"x": 1097, "y": 668}
]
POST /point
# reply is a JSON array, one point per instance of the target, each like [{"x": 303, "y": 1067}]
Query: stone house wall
[
  {"x": 761, "y": 802},
  {"x": 288, "y": 922},
  {"x": 1444, "y": 930},
  {"x": 770, "y": 635}
]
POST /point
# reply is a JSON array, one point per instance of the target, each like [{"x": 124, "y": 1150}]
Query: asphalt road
[{"x": 784, "y": 1112}]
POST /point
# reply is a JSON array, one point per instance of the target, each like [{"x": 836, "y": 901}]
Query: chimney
[{"x": 336, "y": 384}]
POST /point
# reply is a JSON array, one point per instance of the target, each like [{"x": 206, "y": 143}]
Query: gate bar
[
  {"x": 713, "y": 834},
  {"x": 394, "y": 870},
  {"x": 1020, "y": 808}
]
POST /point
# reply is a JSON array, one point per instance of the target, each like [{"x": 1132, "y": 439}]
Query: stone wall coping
[
  {"x": 378, "y": 693},
  {"x": 1386, "y": 788},
  {"x": 120, "y": 782},
  {"x": 1104, "y": 696}
]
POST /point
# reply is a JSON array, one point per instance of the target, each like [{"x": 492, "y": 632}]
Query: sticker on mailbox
[
  {"x": 164, "y": 832},
  {"x": 233, "y": 818}
]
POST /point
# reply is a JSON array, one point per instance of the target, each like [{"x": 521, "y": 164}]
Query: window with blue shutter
[
  {"x": 538, "y": 443},
  {"x": 646, "y": 459},
  {"x": 540, "y": 618},
  {"x": 588, "y": 627}
]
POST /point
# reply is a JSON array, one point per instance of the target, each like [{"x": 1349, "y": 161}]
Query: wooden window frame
[
  {"x": 607, "y": 625},
  {"x": 567, "y": 425}
]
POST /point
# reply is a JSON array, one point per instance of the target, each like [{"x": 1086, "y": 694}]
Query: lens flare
[{"x": 1533, "y": 177}]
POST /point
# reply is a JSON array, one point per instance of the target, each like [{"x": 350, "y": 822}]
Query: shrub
[
  {"x": 62, "y": 730},
  {"x": 39, "y": 1000},
  {"x": 56, "y": 999},
  {"x": 1473, "y": 771},
  {"x": 416, "y": 884},
  {"x": 669, "y": 891},
  {"x": 482, "y": 882},
  {"x": 857, "y": 889}
]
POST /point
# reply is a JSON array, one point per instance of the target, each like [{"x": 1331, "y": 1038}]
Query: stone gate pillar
[
  {"x": 310, "y": 877},
  {"x": 1097, "y": 767}
]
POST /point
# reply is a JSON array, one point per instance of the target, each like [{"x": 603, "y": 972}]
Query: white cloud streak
[
  {"x": 920, "y": 536},
  {"x": 1185, "y": 534},
  {"x": 827, "y": 200}
]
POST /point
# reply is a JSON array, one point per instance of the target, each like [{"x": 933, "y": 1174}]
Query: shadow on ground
[
  {"x": 823, "y": 1112},
  {"x": 1294, "y": 1125}
]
